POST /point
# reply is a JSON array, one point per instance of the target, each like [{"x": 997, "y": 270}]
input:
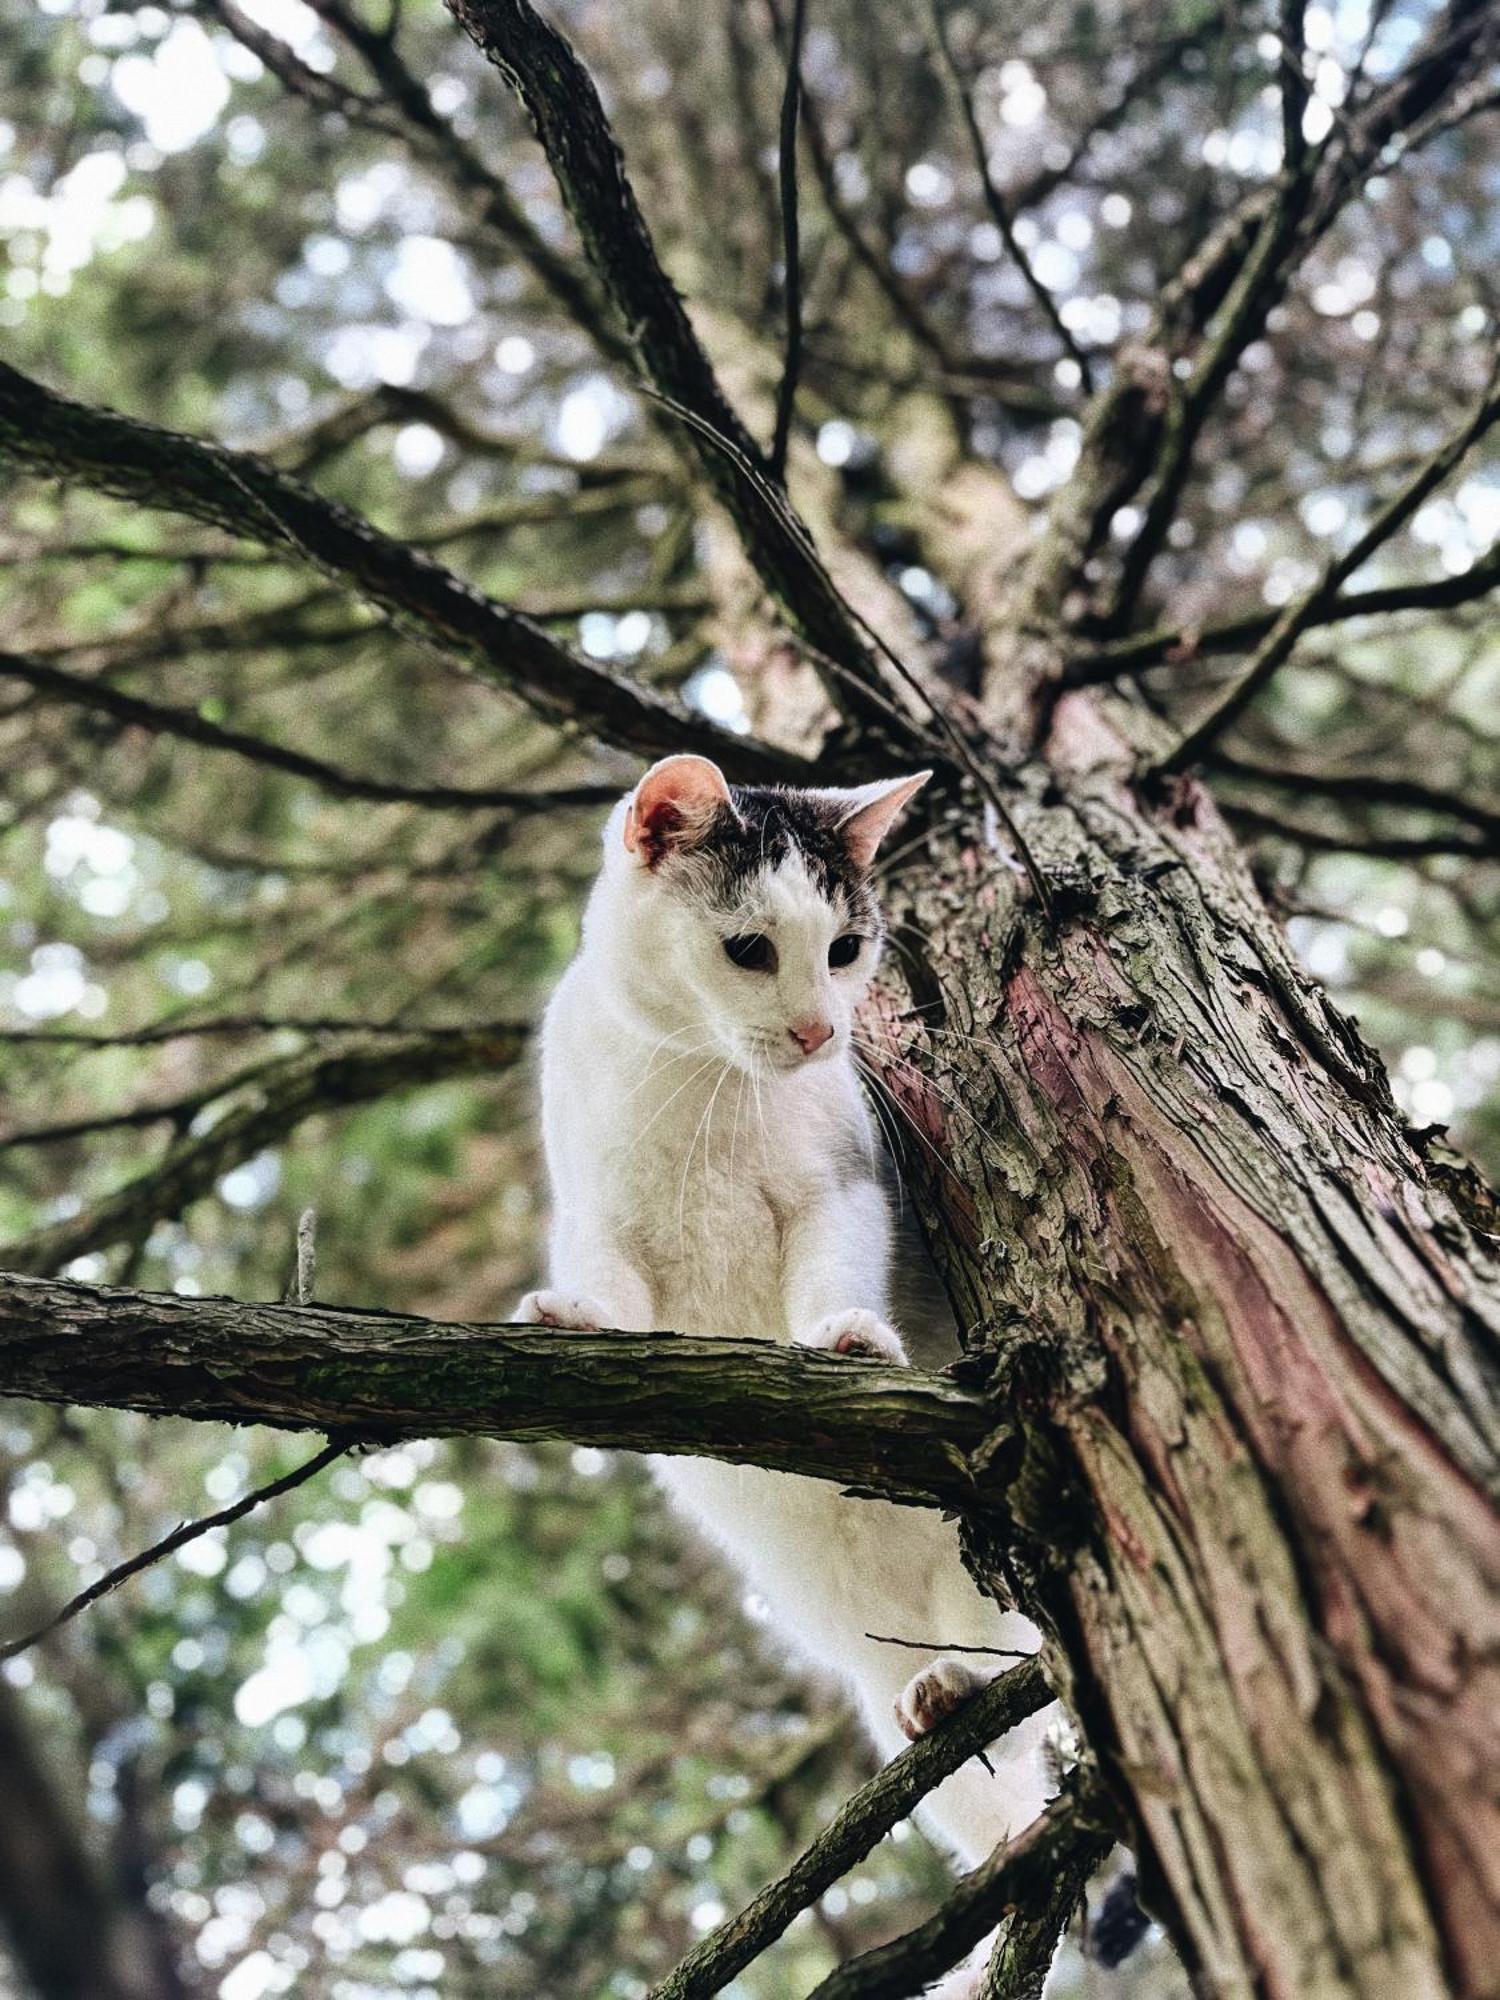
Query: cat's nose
[{"x": 811, "y": 1035}]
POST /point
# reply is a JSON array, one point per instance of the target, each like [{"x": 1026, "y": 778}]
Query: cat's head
[{"x": 747, "y": 912}]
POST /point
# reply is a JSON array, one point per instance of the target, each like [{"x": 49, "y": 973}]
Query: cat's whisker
[
  {"x": 702, "y": 1070},
  {"x": 650, "y": 1075},
  {"x": 929, "y": 1083},
  {"x": 705, "y": 1121},
  {"x": 734, "y": 1136},
  {"x": 901, "y": 1111},
  {"x": 891, "y": 1141},
  {"x": 962, "y": 1035}
]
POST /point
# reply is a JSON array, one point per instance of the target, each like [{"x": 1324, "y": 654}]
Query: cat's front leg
[
  {"x": 856, "y": 1330},
  {"x": 834, "y": 1259},
  {"x": 572, "y": 1311},
  {"x": 596, "y": 1286},
  {"x": 943, "y": 1685}
]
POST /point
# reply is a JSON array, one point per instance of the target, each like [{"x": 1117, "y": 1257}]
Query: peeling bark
[{"x": 1253, "y": 1349}]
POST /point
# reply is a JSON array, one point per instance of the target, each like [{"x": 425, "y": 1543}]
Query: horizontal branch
[
  {"x": 55, "y": 438},
  {"x": 298, "y": 1089},
  {"x": 860, "y": 1824},
  {"x": 162, "y": 719},
  {"x": 884, "y": 1430},
  {"x": 1368, "y": 788},
  {"x": 1173, "y": 644}
]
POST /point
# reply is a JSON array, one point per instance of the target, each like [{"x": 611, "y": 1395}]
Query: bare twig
[
  {"x": 791, "y": 244},
  {"x": 995, "y": 201},
  {"x": 1304, "y": 611},
  {"x": 944, "y": 1646},
  {"x": 189, "y": 1531}
]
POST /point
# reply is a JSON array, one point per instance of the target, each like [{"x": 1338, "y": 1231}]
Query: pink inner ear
[
  {"x": 868, "y": 825},
  {"x": 673, "y": 804}
]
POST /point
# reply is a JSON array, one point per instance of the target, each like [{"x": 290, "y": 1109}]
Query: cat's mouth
[{"x": 783, "y": 1055}]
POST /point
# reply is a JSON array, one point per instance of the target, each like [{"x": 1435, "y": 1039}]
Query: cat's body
[{"x": 714, "y": 1171}]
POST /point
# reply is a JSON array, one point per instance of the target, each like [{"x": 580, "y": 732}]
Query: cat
[{"x": 714, "y": 1170}]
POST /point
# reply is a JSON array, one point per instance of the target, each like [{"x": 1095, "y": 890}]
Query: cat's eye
[
  {"x": 844, "y": 950},
  {"x": 754, "y": 953}
]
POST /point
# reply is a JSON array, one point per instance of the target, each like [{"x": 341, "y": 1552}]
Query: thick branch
[
  {"x": 1022, "y": 1958},
  {"x": 53, "y": 437},
  {"x": 542, "y": 67},
  {"x": 858, "y": 1827},
  {"x": 161, "y": 719},
  {"x": 884, "y": 1430},
  {"x": 297, "y": 1090}
]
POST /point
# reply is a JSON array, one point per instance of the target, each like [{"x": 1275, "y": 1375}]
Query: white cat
[{"x": 714, "y": 1171}]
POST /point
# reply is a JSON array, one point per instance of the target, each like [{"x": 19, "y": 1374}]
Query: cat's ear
[
  {"x": 871, "y": 812},
  {"x": 673, "y": 806}
]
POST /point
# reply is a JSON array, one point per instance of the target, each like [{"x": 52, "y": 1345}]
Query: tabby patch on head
[
  {"x": 684, "y": 809},
  {"x": 754, "y": 903}
]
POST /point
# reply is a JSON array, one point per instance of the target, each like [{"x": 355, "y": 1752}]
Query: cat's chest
[{"x": 704, "y": 1212}]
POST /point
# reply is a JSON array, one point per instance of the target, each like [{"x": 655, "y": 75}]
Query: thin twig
[
  {"x": 189, "y": 1531},
  {"x": 997, "y": 205},
  {"x": 933, "y": 1646},
  {"x": 791, "y": 245}
]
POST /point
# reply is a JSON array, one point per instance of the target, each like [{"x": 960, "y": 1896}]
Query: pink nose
[{"x": 810, "y": 1035}]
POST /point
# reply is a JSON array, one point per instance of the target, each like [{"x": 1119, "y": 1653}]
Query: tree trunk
[
  {"x": 73, "y": 1934},
  {"x": 1251, "y": 1342}
]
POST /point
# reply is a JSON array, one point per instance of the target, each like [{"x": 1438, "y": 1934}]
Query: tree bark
[
  {"x": 1250, "y": 1341},
  {"x": 896, "y": 1433}
]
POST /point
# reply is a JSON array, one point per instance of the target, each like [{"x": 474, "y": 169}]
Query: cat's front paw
[
  {"x": 561, "y": 1309},
  {"x": 857, "y": 1332},
  {"x": 935, "y": 1692}
]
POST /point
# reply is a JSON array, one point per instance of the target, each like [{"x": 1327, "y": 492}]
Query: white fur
[{"x": 707, "y": 1177}]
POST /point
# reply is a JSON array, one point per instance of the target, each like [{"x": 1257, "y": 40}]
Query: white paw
[
  {"x": 935, "y": 1692},
  {"x": 857, "y": 1332},
  {"x": 561, "y": 1309}
]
